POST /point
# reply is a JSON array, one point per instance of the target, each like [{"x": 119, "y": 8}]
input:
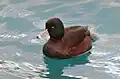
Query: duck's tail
[{"x": 93, "y": 33}]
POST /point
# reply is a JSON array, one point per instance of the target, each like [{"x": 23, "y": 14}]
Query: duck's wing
[{"x": 75, "y": 35}]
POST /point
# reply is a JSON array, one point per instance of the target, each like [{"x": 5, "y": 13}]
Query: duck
[{"x": 66, "y": 42}]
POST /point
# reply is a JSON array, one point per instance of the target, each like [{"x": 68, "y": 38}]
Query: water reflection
[{"x": 55, "y": 67}]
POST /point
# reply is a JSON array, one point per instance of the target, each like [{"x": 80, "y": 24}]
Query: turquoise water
[{"x": 21, "y": 53}]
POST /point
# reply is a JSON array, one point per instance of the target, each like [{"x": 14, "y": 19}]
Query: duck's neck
[{"x": 55, "y": 40}]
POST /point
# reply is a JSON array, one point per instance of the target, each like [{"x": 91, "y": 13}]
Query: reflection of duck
[
  {"x": 55, "y": 67},
  {"x": 68, "y": 42}
]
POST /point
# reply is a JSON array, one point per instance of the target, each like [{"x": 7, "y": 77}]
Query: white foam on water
[
  {"x": 72, "y": 76},
  {"x": 105, "y": 56},
  {"x": 7, "y": 37},
  {"x": 16, "y": 69},
  {"x": 109, "y": 4}
]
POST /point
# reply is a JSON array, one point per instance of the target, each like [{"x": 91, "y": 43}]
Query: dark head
[{"x": 55, "y": 28}]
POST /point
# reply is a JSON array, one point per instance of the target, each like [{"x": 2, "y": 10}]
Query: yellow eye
[{"x": 53, "y": 27}]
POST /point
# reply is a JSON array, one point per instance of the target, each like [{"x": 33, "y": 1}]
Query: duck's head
[{"x": 55, "y": 28}]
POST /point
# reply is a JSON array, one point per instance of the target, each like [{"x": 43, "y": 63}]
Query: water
[{"x": 21, "y": 54}]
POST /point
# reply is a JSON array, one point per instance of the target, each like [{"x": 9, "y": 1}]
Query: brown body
[{"x": 75, "y": 41}]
